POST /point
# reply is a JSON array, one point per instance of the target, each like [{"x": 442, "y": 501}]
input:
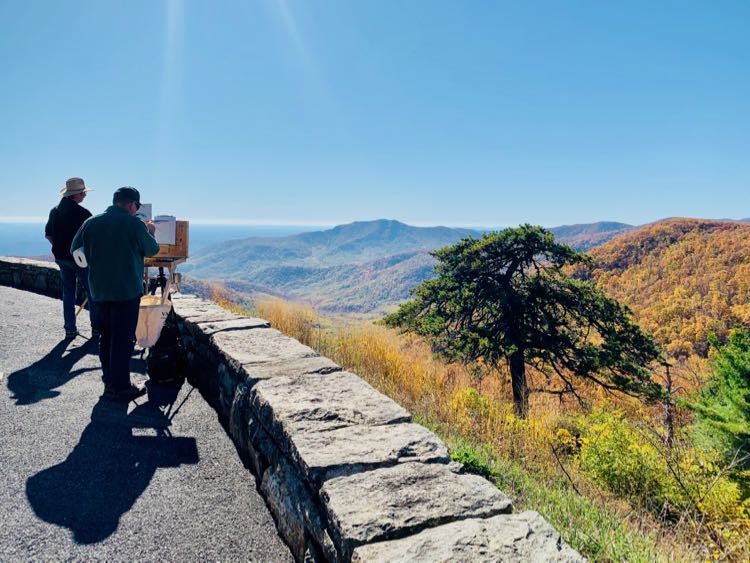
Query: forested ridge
[{"x": 683, "y": 278}]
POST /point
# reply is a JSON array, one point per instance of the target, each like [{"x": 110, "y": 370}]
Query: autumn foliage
[{"x": 684, "y": 279}]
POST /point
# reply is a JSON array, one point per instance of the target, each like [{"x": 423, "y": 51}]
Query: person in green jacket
[{"x": 115, "y": 244}]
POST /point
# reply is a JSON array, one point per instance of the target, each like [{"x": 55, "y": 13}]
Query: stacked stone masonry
[
  {"x": 31, "y": 275},
  {"x": 345, "y": 471}
]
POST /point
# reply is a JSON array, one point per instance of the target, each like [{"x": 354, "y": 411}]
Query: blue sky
[{"x": 431, "y": 112}]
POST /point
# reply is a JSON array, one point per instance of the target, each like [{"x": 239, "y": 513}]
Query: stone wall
[
  {"x": 345, "y": 471},
  {"x": 31, "y": 275}
]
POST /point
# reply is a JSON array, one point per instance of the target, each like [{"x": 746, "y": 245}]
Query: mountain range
[{"x": 363, "y": 267}]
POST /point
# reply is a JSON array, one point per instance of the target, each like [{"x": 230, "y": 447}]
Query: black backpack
[{"x": 166, "y": 361}]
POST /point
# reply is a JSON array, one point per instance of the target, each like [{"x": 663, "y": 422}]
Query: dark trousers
[
  {"x": 70, "y": 273},
  {"x": 117, "y": 322}
]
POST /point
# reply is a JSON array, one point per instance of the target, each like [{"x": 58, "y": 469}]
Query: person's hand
[{"x": 151, "y": 226}]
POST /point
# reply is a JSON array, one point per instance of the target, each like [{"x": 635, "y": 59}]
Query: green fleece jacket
[{"x": 115, "y": 244}]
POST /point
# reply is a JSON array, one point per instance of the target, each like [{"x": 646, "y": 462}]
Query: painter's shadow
[
  {"x": 110, "y": 467},
  {"x": 40, "y": 380}
]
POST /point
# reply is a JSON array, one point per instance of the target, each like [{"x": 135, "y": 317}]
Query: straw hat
[{"x": 73, "y": 186}]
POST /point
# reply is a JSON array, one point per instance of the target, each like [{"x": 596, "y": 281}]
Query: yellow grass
[{"x": 475, "y": 401}]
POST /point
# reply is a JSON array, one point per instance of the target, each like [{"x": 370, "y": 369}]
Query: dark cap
[{"x": 125, "y": 194}]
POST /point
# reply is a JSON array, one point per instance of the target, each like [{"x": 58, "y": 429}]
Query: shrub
[
  {"x": 668, "y": 483},
  {"x": 472, "y": 462}
]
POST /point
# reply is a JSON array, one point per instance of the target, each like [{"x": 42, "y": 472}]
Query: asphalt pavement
[{"x": 91, "y": 478}]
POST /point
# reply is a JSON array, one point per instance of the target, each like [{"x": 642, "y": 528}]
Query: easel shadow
[
  {"x": 39, "y": 380},
  {"x": 110, "y": 467}
]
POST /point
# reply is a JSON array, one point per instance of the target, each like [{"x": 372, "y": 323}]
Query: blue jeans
[
  {"x": 69, "y": 272},
  {"x": 117, "y": 322}
]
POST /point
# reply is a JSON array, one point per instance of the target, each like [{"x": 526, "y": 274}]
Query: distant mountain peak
[
  {"x": 590, "y": 228},
  {"x": 368, "y": 226},
  {"x": 584, "y": 236}
]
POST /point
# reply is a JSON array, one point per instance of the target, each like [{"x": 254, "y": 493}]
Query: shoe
[
  {"x": 70, "y": 334},
  {"x": 129, "y": 393}
]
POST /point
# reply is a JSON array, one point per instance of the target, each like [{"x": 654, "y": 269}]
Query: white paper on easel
[
  {"x": 166, "y": 229},
  {"x": 144, "y": 213}
]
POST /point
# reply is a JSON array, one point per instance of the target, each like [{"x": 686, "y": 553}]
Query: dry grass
[
  {"x": 476, "y": 402},
  {"x": 224, "y": 298}
]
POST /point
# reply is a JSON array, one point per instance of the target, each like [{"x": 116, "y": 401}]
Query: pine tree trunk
[
  {"x": 518, "y": 382},
  {"x": 668, "y": 405},
  {"x": 669, "y": 422}
]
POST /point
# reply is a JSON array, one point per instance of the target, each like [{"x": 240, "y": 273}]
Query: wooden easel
[{"x": 169, "y": 257}]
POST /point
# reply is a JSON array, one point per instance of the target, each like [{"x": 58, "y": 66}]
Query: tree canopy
[
  {"x": 506, "y": 298},
  {"x": 683, "y": 278},
  {"x": 723, "y": 405}
]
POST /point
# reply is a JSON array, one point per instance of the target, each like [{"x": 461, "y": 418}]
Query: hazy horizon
[
  {"x": 313, "y": 226},
  {"x": 27, "y": 238}
]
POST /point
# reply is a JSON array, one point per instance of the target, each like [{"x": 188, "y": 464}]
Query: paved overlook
[{"x": 87, "y": 478}]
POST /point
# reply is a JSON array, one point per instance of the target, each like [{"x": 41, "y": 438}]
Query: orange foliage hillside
[{"x": 683, "y": 278}]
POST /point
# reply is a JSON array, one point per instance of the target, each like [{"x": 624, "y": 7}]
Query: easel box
[{"x": 176, "y": 251}]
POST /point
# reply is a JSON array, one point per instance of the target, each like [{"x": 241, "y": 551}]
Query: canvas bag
[{"x": 152, "y": 313}]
